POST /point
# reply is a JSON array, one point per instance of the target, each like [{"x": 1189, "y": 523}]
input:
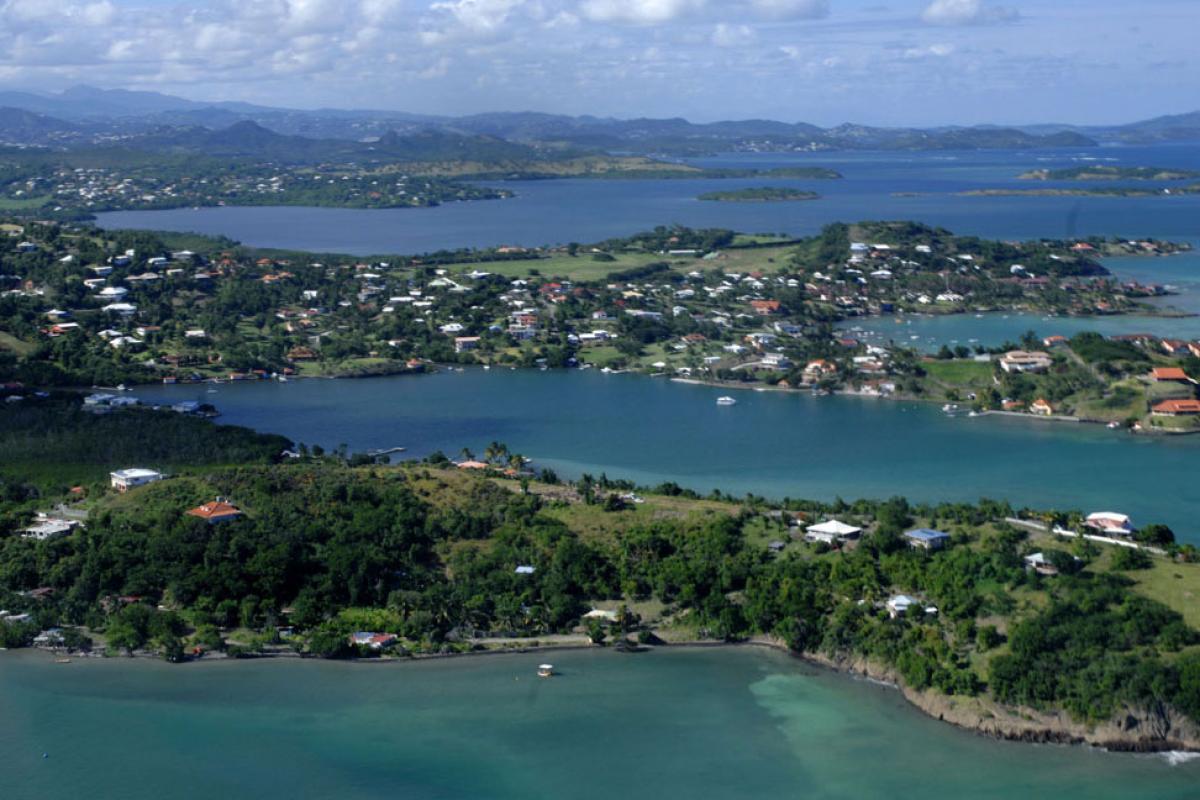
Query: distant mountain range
[{"x": 84, "y": 116}]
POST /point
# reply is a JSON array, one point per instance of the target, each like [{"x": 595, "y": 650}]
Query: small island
[
  {"x": 760, "y": 194},
  {"x": 1099, "y": 191},
  {"x": 1100, "y": 172}
]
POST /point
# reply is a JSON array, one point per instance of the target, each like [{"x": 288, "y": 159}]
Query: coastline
[{"x": 1131, "y": 730}]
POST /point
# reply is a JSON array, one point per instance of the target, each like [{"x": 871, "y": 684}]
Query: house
[
  {"x": 301, "y": 354},
  {"x": 473, "y": 465},
  {"x": 463, "y": 344},
  {"x": 927, "y": 539},
  {"x": 831, "y": 532},
  {"x": 45, "y": 527},
  {"x": 525, "y": 569},
  {"x": 215, "y": 512},
  {"x": 125, "y": 479},
  {"x": 776, "y": 361},
  {"x": 1023, "y": 361},
  {"x": 1109, "y": 523},
  {"x": 113, "y": 292},
  {"x": 124, "y": 309},
  {"x": 375, "y": 641},
  {"x": 1037, "y": 562},
  {"x": 815, "y": 370},
  {"x": 1054, "y": 341},
  {"x": 1168, "y": 374},
  {"x": 1041, "y": 407},
  {"x": 1176, "y": 408},
  {"x": 765, "y": 308},
  {"x": 898, "y": 605}
]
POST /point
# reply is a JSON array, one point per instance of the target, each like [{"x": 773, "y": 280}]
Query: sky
[{"x": 880, "y": 62}]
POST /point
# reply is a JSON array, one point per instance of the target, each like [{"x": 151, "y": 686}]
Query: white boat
[
  {"x": 1114, "y": 425},
  {"x": 726, "y": 401},
  {"x": 950, "y": 408},
  {"x": 545, "y": 670}
]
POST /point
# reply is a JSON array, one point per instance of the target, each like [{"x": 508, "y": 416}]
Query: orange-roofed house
[
  {"x": 1170, "y": 374},
  {"x": 216, "y": 511},
  {"x": 1176, "y": 408},
  {"x": 1041, "y": 407},
  {"x": 765, "y": 307}
]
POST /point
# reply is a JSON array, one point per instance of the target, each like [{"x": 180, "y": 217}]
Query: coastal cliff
[{"x": 1159, "y": 728}]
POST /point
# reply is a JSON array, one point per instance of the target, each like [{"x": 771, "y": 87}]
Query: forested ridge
[{"x": 430, "y": 553}]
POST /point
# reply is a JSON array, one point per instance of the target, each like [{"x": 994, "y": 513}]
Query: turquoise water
[
  {"x": 723, "y": 724},
  {"x": 549, "y": 212},
  {"x": 773, "y": 444}
]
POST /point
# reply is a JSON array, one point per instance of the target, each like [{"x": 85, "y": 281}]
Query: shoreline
[{"x": 1131, "y": 730}]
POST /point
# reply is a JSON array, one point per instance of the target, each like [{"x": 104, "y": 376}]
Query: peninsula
[
  {"x": 1103, "y": 172},
  {"x": 1044, "y": 626},
  {"x": 82, "y": 306}
]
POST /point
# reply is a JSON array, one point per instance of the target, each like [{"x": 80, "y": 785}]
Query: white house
[
  {"x": 1025, "y": 361},
  {"x": 113, "y": 293},
  {"x": 899, "y": 605},
  {"x": 831, "y": 532},
  {"x": 125, "y": 479},
  {"x": 1110, "y": 523}
]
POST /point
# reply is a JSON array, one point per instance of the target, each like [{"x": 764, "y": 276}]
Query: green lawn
[
  {"x": 582, "y": 267},
  {"x": 15, "y": 345},
  {"x": 1172, "y": 584},
  {"x": 23, "y": 203},
  {"x": 960, "y": 372}
]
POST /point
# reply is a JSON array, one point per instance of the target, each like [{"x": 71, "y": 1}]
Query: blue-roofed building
[{"x": 927, "y": 539}]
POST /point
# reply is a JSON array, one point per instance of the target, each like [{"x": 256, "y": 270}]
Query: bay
[
  {"x": 771, "y": 444},
  {"x": 919, "y": 186},
  {"x": 723, "y": 723}
]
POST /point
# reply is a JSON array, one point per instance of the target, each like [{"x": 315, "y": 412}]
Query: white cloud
[
  {"x": 732, "y": 35},
  {"x": 790, "y": 9},
  {"x": 966, "y": 12},
  {"x": 468, "y": 19},
  {"x": 932, "y": 51},
  {"x": 639, "y": 12}
]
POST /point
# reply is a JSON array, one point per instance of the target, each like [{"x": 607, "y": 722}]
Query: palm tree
[{"x": 466, "y": 454}]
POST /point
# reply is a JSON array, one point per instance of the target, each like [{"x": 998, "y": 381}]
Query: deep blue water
[{"x": 550, "y": 212}]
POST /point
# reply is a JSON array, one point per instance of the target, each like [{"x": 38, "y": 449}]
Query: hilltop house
[
  {"x": 831, "y": 532},
  {"x": 1169, "y": 374},
  {"x": 1025, "y": 361},
  {"x": 125, "y": 479},
  {"x": 899, "y": 605},
  {"x": 215, "y": 512},
  {"x": 927, "y": 539},
  {"x": 1109, "y": 523}
]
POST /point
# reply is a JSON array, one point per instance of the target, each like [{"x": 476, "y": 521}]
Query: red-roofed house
[
  {"x": 1169, "y": 374},
  {"x": 1176, "y": 408},
  {"x": 216, "y": 511},
  {"x": 765, "y": 308}
]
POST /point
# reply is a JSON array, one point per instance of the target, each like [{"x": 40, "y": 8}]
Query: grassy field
[
  {"x": 583, "y": 268},
  {"x": 960, "y": 372},
  {"x": 23, "y": 203},
  {"x": 14, "y": 345},
  {"x": 1172, "y": 584},
  {"x": 1126, "y": 400}
]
